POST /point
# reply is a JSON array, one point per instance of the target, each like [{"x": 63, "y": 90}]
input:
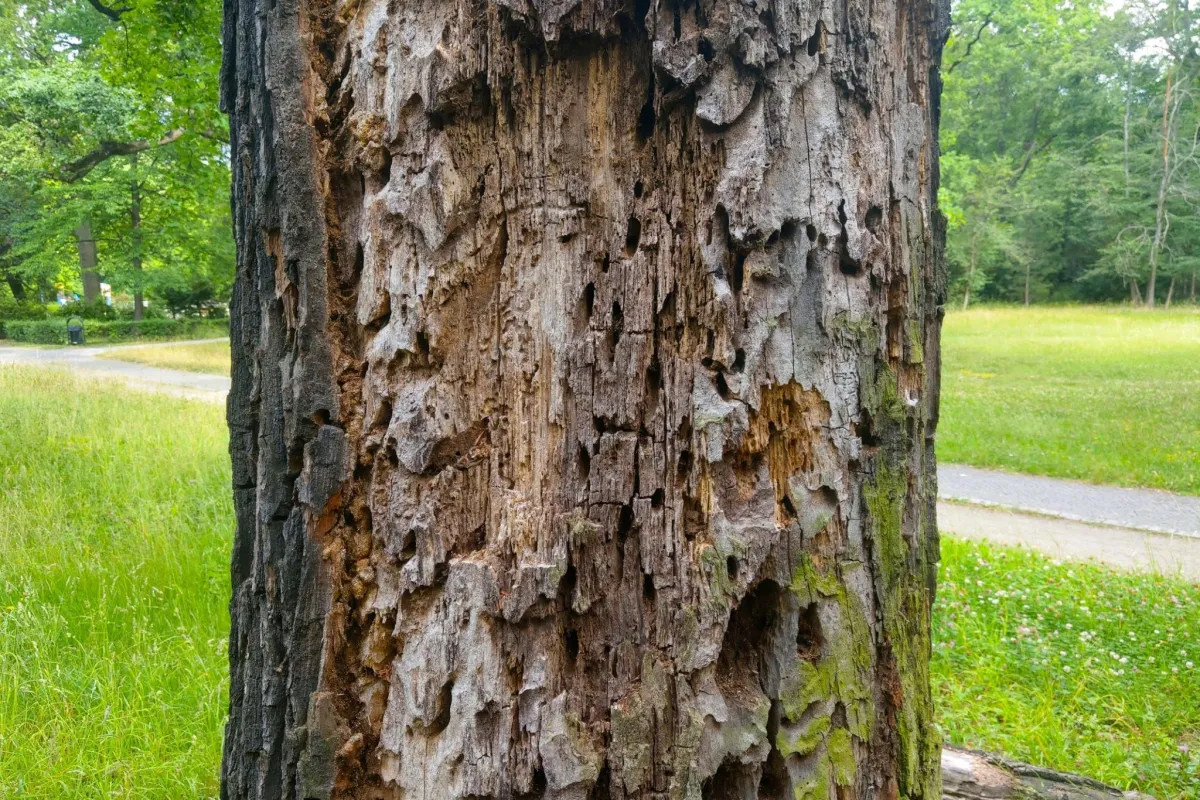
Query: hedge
[{"x": 54, "y": 331}]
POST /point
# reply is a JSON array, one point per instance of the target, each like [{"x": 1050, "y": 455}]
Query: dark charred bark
[{"x": 585, "y": 370}]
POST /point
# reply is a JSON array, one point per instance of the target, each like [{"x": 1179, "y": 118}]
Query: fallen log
[{"x": 971, "y": 775}]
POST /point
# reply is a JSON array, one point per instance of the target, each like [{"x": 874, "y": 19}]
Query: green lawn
[
  {"x": 115, "y": 529},
  {"x": 1106, "y": 395},
  {"x": 1070, "y": 666},
  {"x": 208, "y": 357}
]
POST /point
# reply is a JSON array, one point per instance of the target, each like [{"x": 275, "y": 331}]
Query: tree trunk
[
  {"x": 17, "y": 286},
  {"x": 585, "y": 374},
  {"x": 971, "y": 269},
  {"x": 135, "y": 226},
  {"x": 1160, "y": 209},
  {"x": 87, "y": 262}
]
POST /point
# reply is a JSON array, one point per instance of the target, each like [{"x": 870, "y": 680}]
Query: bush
[
  {"x": 11, "y": 310},
  {"x": 97, "y": 310},
  {"x": 54, "y": 331}
]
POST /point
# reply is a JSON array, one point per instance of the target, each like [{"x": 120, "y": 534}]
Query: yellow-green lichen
[
  {"x": 841, "y": 757},
  {"x": 815, "y": 787},
  {"x": 801, "y": 740},
  {"x": 916, "y": 351}
]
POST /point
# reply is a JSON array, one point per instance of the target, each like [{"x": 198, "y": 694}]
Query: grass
[
  {"x": 1104, "y": 395},
  {"x": 115, "y": 529},
  {"x": 208, "y": 357},
  {"x": 1070, "y": 666}
]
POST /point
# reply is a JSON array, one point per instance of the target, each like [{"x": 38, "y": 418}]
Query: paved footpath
[
  {"x": 85, "y": 361},
  {"x": 1138, "y": 509},
  {"x": 1131, "y": 528}
]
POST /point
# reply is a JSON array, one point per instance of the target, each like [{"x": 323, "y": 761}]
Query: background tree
[
  {"x": 108, "y": 116},
  {"x": 1068, "y": 140},
  {"x": 585, "y": 372}
]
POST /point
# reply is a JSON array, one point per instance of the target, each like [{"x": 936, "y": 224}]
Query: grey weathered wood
[
  {"x": 971, "y": 775},
  {"x": 584, "y": 387}
]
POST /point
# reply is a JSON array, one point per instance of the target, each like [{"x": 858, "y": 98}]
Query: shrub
[
  {"x": 97, "y": 310},
  {"x": 54, "y": 331},
  {"x": 11, "y": 310}
]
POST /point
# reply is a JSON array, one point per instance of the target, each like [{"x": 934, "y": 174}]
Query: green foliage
[
  {"x": 114, "y": 585},
  {"x": 11, "y": 310},
  {"x": 1097, "y": 394},
  {"x": 1070, "y": 666},
  {"x": 1053, "y": 140},
  {"x": 54, "y": 331},
  {"x": 111, "y": 122}
]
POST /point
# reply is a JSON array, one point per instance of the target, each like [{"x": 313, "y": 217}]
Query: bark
[
  {"x": 971, "y": 269},
  {"x": 1161, "y": 221},
  {"x": 585, "y": 372},
  {"x": 135, "y": 226},
  {"x": 17, "y": 286},
  {"x": 87, "y": 262},
  {"x": 970, "y": 775}
]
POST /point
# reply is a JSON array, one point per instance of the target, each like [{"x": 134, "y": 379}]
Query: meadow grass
[
  {"x": 1071, "y": 666},
  {"x": 208, "y": 357},
  {"x": 115, "y": 530},
  {"x": 1106, "y": 395}
]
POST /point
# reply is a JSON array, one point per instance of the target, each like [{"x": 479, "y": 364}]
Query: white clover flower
[{"x": 1066, "y": 668}]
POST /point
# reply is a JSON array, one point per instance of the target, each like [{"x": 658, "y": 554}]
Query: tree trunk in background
[
  {"x": 87, "y": 262},
  {"x": 135, "y": 225},
  {"x": 585, "y": 373}
]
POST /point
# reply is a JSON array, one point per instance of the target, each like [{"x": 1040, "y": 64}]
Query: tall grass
[
  {"x": 208, "y": 357},
  {"x": 115, "y": 527}
]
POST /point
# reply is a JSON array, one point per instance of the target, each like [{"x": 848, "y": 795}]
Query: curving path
[
  {"x": 1066, "y": 519},
  {"x": 84, "y": 361}
]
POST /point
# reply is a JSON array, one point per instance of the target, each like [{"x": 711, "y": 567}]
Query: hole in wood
[
  {"x": 809, "y": 640},
  {"x": 874, "y": 218},
  {"x": 441, "y": 716},
  {"x": 633, "y": 235}
]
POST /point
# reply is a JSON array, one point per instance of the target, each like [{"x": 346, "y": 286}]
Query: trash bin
[{"x": 75, "y": 330}]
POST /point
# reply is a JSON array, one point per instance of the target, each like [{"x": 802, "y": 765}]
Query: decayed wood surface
[
  {"x": 584, "y": 388},
  {"x": 970, "y": 775}
]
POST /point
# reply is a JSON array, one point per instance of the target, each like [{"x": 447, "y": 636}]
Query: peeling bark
[{"x": 584, "y": 387}]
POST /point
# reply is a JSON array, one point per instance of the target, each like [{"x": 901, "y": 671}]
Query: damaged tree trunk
[{"x": 585, "y": 369}]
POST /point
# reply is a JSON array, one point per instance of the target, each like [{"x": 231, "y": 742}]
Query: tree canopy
[
  {"x": 1069, "y": 134},
  {"x": 108, "y": 114}
]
